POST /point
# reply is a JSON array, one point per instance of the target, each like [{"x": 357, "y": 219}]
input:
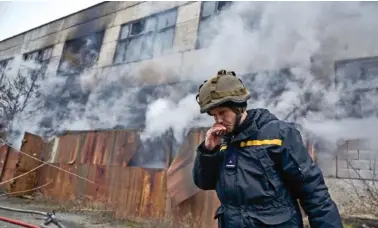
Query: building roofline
[{"x": 11, "y": 37}]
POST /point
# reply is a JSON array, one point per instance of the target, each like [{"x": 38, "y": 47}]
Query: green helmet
[{"x": 224, "y": 88}]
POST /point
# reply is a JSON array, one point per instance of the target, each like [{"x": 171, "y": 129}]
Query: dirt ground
[
  {"x": 70, "y": 220},
  {"x": 103, "y": 220}
]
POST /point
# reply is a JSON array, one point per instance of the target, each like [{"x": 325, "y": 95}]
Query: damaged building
[{"x": 141, "y": 50}]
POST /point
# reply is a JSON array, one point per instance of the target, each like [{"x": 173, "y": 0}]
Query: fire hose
[
  {"x": 17, "y": 222},
  {"x": 50, "y": 218}
]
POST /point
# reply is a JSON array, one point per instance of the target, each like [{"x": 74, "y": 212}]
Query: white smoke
[
  {"x": 304, "y": 36},
  {"x": 252, "y": 37}
]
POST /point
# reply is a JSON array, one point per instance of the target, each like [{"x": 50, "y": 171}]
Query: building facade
[{"x": 159, "y": 42}]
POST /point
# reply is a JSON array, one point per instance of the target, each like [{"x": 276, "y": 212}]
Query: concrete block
[
  {"x": 111, "y": 34},
  {"x": 57, "y": 50},
  {"x": 90, "y": 27},
  {"x": 40, "y": 43},
  {"x": 359, "y": 164},
  {"x": 44, "y": 30},
  {"x": 106, "y": 54},
  {"x": 357, "y": 174},
  {"x": 10, "y": 52},
  {"x": 124, "y": 4},
  {"x": 348, "y": 155},
  {"x": 370, "y": 155},
  {"x": 132, "y": 13},
  {"x": 95, "y": 12},
  {"x": 346, "y": 173},
  {"x": 342, "y": 164},
  {"x": 160, "y": 6},
  {"x": 119, "y": 71},
  {"x": 12, "y": 42},
  {"x": 186, "y": 35},
  {"x": 142, "y": 10},
  {"x": 188, "y": 12}
]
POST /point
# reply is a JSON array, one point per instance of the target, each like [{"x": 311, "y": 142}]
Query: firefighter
[{"x": 257, "y": 164}]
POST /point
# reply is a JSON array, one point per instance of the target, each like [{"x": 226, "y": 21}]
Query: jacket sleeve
[
  {"x": 205, "y": 168},
  {"x": 307, "y": 179}
]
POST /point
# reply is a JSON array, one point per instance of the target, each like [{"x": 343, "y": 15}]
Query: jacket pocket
[
  {"x": 270, "y": 173},
  {"x": 219, "y": 215},
  {"x": 274, "y": 217}
]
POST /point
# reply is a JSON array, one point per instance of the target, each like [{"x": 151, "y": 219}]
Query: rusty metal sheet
[
  {"x": 100, "y": 147},
  {"x": 124, "y": 147},
  {"x": 47, "y": 151},
  {"x": 67, "y": 148},
  {"x": 113, "y": 147},
  {"x": 141, "y": 193},
  {"x": 44, "y": 177},
  {"x": 4, "y": 149},
  {"x": 32, "y": 146},
  {"x": 68, "y": 183},
  {"x": 132, "y": 192},
  {"x": 10, "y": 168},
  {"x": 87, "y": 149},
  {"x": 180, "y": 182},
  {"x": 82, "y": 170}
]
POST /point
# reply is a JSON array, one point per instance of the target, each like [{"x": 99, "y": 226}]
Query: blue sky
[{"x": 19, "y": 16}]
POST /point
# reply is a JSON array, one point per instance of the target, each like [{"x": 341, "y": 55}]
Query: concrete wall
[
  {"x": 356, "y": 159},
  {"x": 110, "y": 16}
]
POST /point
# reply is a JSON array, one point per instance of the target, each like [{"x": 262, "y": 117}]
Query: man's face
[{"x": 224, "y": 116}]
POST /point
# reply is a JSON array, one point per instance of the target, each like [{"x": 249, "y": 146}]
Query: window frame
[
  {"x": 339, "y": 64},
  {"x": 7, "y": 62},
  {"x": 68, "y": 43},
  {"x": 42, "y": 61},
  {"x": 126, "y": 41},
  {"x": 202, "y": 19}
]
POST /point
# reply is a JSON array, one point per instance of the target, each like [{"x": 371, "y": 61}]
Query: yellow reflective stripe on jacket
[
  {"x": 223, "y": 147},
  {"x": 277, "y": 142}
]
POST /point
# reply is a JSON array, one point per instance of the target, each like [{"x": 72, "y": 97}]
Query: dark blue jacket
[{"x": 260, "y": 172}]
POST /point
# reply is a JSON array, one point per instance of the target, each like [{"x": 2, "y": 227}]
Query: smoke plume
[{"x": 285, "y": 53}]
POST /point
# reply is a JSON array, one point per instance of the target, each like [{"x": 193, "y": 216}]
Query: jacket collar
[{"x": 256, "y": 118}]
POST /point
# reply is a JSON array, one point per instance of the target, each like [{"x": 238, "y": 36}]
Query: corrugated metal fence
[{"x": 104, "y": 157}]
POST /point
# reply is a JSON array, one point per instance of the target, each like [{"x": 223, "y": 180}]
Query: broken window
[
  {"x": 147, "y": 37},
  {"x": 41, "y": 58},
  {"x": 357, "y": 71},
  {"x": 206, "y": 32},
  {"x": 5, "y": 65},
  {"x": 80, "y": 54}
]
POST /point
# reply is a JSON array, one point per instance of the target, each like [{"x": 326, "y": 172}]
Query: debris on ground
[{"x": 103, "y": 220}]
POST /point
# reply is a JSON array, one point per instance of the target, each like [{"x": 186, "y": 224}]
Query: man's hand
[{"x": 213, "y": 136}]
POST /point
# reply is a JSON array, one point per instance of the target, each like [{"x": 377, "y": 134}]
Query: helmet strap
[{"x": 239, "y": 114}]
